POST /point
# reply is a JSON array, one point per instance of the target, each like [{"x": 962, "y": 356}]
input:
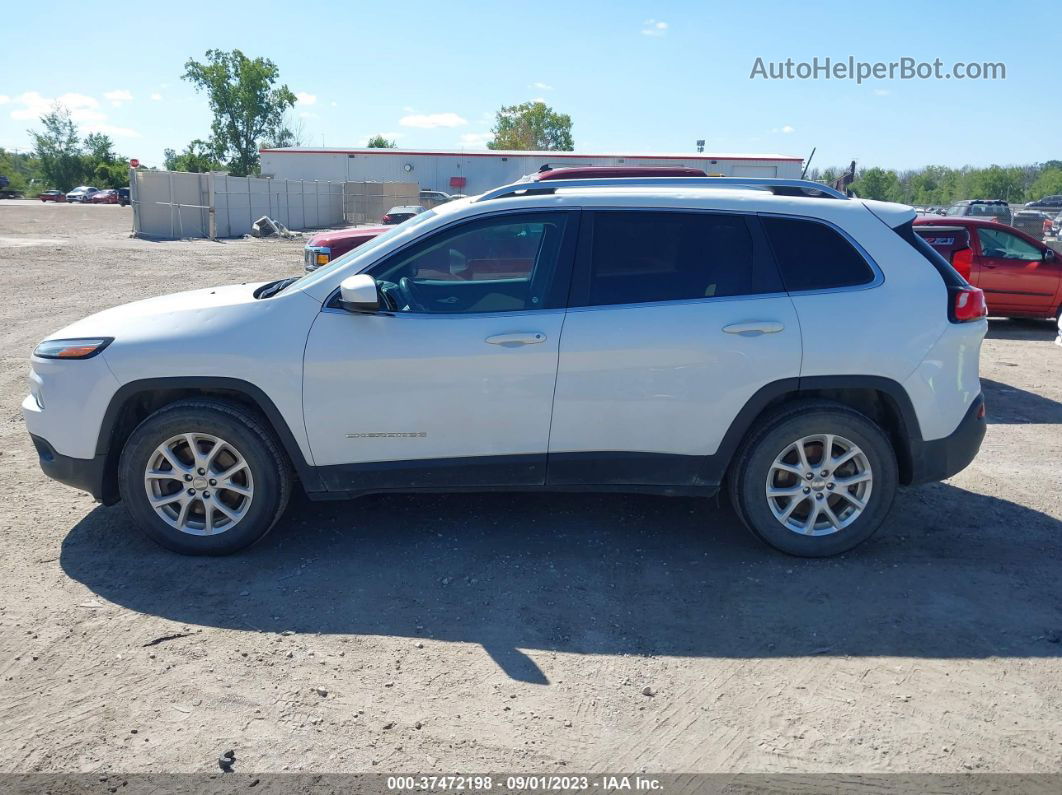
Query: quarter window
[
  {"x": 638, "y": 257},
  {"x": 814, "y": 256}
]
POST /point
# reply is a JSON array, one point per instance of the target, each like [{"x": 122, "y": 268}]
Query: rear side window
[
  {"x": 642, "y": 256},
  {"x": 813, "y": 256}
]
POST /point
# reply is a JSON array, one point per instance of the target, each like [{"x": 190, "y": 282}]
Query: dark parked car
[
  {"x": 397, "y": 215},
  {"x": 123, "y": 197},
  {"x": 1047, "y": 203},
  {"x": 1031, "y": 222},
  {"x": 52, "y": 196},
  {"x": 992, "y": 209}
]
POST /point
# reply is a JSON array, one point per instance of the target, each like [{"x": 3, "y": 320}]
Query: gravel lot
[{"x": 517, "y": 632}]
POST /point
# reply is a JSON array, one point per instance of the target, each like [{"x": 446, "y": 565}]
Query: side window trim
[
  {"x": 878, "y": 275},
  {"x": 765, "y": 269}
]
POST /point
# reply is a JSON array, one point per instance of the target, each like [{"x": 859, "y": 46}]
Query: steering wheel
[{"x": 405, "y": 287}]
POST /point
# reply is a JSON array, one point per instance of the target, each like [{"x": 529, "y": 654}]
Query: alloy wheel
[
  {"x": 819, "y": 485},
  {"x": 199, "y": 484}
]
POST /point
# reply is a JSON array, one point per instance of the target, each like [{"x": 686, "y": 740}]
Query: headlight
[{"x": 72, "y": 349}]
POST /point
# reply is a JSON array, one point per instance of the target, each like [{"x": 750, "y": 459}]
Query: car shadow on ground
[
  {"x": 1009, "y": 405},
  {"x": 951, "y": 574},
  {"x": 1021, "y": 329}
]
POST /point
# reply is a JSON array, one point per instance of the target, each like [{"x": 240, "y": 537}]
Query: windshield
[{"x": 365, "y": 248}]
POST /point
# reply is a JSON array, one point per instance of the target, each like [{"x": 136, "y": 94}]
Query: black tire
[
  {"x": 748, "y": 476},
  {"x": 268, "y": 465}
]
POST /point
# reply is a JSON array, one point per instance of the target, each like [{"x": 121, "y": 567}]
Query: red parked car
[
  {"x": 324, "y": 247},
  {"x": 108, "y": 196},
  {"x": 53, "y": 196},
  {"x": 1020, "y": 275}
]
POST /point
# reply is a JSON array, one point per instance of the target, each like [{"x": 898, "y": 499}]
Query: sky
[{"x": 635, "y": 77}]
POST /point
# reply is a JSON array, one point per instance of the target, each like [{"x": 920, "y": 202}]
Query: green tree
[
  {"x": 379, "y": 142},
  {"x": 532, "y": 126},
  {"x": 23, "y": 171},
  {"x": 58, "y": 148},
  {"x": 877, "y": 183},
  {"x": 994, "y": 182},
  {"x": 246, "y": 103},
  {"x": 198, "y": 156},
  {"x": 1049, "y": 183}
]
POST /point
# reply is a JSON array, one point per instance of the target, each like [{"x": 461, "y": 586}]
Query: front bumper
[
  {"x": 939, "y": 459},
  {"x": 87, "y": 474}
]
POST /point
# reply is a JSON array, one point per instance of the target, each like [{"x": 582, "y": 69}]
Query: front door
[
  {"x": 678, "y": 318},
  {"x": 453, "y": 386},
  {"x": 1014, "y": 274}
]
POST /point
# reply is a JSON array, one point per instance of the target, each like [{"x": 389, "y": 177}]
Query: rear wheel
[
  {"x": 204, "y": 477},
  {"x": 814, "y": 480}
]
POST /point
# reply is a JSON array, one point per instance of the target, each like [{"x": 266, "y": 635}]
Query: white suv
[{"x": 803, "y": 349}]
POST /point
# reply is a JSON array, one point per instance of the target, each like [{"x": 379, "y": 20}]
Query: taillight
[
  {"x": 962, "y": 261},
  {"x": 967, "y": 304}
]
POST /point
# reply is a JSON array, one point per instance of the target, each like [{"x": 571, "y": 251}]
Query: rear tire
[
  {"x": 204, "y": 477},
  {"x": 842, "y": 503}
]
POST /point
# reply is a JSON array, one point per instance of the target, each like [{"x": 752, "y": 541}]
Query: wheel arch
[
  {"x": 881, "y": 399},
  {"x": 136, "y": 400}
]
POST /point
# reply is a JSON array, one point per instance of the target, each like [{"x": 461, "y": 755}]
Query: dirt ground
[{"x": 497, "y": 632}]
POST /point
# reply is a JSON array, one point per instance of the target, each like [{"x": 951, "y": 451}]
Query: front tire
[
  {"x": 204, "y": 477},
  {"x": 814, "y": 479}
]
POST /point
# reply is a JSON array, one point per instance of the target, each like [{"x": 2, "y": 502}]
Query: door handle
[
  {"x": 518, "y": 338},
  {"x": 754, "y": 328}
]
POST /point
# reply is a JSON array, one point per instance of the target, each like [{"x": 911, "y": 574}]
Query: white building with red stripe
[{"x": 472, "y": 172}]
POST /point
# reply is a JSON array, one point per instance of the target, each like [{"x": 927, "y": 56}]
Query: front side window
[
  {"x": 997, "y": 243},
  {"x": 645, "y": 256},
  {"x": 814, "y": 256},
  {"x": 504, "y": 263}
]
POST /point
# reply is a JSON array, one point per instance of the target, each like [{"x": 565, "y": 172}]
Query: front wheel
[
  {"x": 814, "y": 480},
  {"x": 204, "y": 477}
]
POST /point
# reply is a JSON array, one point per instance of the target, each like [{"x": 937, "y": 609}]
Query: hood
[
  {"x": 169, "y": 315},
  {"x": 339, "y": 235}
]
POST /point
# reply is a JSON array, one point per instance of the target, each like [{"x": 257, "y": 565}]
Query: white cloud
[
  {"x": 654, "y": 28},
  {"x": 82, "y": 108},
  {"x": 304, "y": 98},
  {"x": 334, "y": 104},
  {"x": 156, "y": 96},
  {"x": 408, "y": 109},
  {"x": 112, "y": 130},
  {"x": 429, "y": 121},
  {"x": 539, "y": 99},
  {"x": 788, "y": 129},
  {"x": 881, "y": 92},
  {"x": 541, "y": 86},
  {"x": 305, "y": 114},
  {"x": 4, "y": 99},
  {"x": 477, "y": 140},
  {"x": 118, "y": 96}
]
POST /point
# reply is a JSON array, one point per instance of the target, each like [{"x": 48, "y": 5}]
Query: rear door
[
  {"x": 1014, "y": 274},
  {"x": 677, "y": 318}
]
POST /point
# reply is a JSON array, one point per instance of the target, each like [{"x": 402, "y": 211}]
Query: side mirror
[{"x": 359, "y": 293}]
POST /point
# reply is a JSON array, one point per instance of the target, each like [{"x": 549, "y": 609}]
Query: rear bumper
[
  {"x": 87, "y": 474},
  {"x": 939, "y": 459}
]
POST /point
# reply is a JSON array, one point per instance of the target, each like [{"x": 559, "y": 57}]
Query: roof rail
[{"x": 779, "y": 187}]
